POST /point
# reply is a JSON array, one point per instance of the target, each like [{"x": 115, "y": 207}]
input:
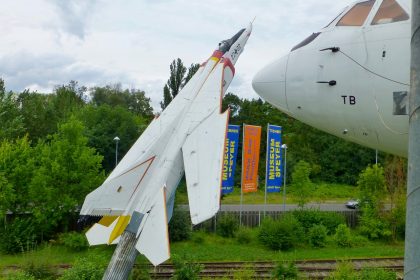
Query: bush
[
  {"x": 85, "y": 269},
  {"x": 180, "y": 226},
  {"x": 20, "y": 275},
  {"x": 343, "y": 271},
  {"x": 318, "y": 236},
  {"x": 227, "y": 226},
  {"x": 74, "y": 241},
  {"x": 373, "y": 226},
  {"x": 309, "y": 218},
  {"x": 285, "y": 271},
  {"x": 281, "y": 234},
  {"x": 301, "y": 184},
  {"x": 185, "y": 270},
  {"x": 39, "y": 270},
  {"x": 342, "y": 236},
  {"x": 198, "y": 237},
  {"x": 244, "y": 235},
  {"x": 18, "y": 236},
  {"x": 377, "y": 274},
  {"x": 246, "y": 272}
]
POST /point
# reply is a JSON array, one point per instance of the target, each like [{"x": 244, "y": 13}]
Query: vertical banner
[
  {"x": 273, "y": 175},
  {"x": 250, "y": 158},
  {"x": 229, "y": 160}
]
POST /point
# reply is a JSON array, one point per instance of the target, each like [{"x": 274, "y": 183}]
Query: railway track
[{"x": 312, "y": 269}]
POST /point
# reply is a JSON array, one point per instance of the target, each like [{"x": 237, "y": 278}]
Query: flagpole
[
  {"x": 284, "y": 146},
  {"x": 266, "y": 171},
  {"x": 242, "y": 173}
]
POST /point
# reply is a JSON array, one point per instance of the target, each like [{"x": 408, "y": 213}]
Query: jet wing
[{"x": 203, "y": 150}]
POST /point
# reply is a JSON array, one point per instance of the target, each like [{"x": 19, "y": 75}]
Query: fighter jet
[
  {"x": 189, "y": 137},
  {"x": 350, "y": 78}
]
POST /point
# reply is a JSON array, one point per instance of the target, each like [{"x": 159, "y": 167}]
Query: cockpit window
[
  {"x": 357, "y": 15},
  {"x": 389, "y": 11}
]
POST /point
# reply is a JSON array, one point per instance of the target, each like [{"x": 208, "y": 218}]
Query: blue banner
[
  {"x": 229, "y": 160},
  {"x": 274, "y": 174}
]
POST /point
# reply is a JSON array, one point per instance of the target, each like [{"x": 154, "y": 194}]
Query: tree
[
  {"x": 372, "y": 186},
  {"x": 178, "y": 78},
  {"x": 11, "y": 121},
  {"x": 133, "y": 100},
  {"x": 103, "y": 123},
  {"x": 301, "y": 182}
]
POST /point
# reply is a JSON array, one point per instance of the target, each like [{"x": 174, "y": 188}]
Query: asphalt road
[{"x": 279, "y": 207}]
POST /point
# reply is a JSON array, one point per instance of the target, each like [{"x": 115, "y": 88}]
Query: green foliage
[
  {"x": 39, "y": 270},
  {"x": 85, "y": 269},
  {"x": 140, "y": 273},
  {"x": 343, "y": 236},
  {"x": 178, "y": 78},
  {"x": 372, "y": 225},
  {"x": 282, "y": 234},
  {"x": 11, "y": 121},
  {"x": 131, "y": 100},
  {"x": 244, "y": 235},
  {"x": 318, "y": 236},
  {"x": 302, "y": 185},
  {"x": 20, "y": 275},
  {"x": 103, "y": 123},
  {"x": 372, "y": 186},
  {"x": 309, "y": 218},
  {"x": 227, "y": 225},
  {"x": 74, "y": 241},
  {"x": 343, "y": 271},
  {"x": 285, "y": 271},
  {"x": 377, "y": 274},
  {"x": 186, "y": 270},
  {"x": 19, "y": 235},
  {"x": 180, "y": 226},
  {"x": 246, "y": 272}
]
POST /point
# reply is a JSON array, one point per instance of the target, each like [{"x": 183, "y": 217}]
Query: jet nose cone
[{"x": 270, "y": 83}]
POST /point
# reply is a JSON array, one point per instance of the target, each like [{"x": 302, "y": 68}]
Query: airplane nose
[{"x": 270, "y": 83}]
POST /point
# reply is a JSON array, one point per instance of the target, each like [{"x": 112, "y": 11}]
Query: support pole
[
  {"x": 123, "y": 259},
  {"x": 412, "y": 236}
]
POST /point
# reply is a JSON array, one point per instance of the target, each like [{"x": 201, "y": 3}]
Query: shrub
[
  {"x": 85, "y": 269},
  {"x": 227, "y": 226},
  {"x": 309, "y": 218},
  {"x": 318, "y": 236},
  {"x": 377, "y": 274},
  {"x": 20, "y": 275},
  {"x": 180, "y": 226},
  {"x": 185, "y": 270},
  {"x": 74, "y": 241},
  {"x": 285, "y": 271},
  {"x": 342, "y": 236},
  {"x": 301, "y": 183},
  {"x": 39, "y": 270},
  {"x": 244, "y": 235},
  {"x": 343, "y": 271},
  {"x": 281, "y": 234},
  {"x": 373, "y": 226},
  {"x": 246, "y": 272},
  {"x": 18, "y": 236},
  {"x": 198, "y": 237}
]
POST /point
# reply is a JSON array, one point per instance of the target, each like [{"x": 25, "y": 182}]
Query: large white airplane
[
  {"x": 189, "y": 135},
  {"x": 351, "y": 78}
]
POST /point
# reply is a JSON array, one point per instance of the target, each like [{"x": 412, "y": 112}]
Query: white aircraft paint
[{"x": 370, "y": 65}]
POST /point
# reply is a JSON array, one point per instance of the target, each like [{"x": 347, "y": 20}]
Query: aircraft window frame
[
  {"x": 354, "y": 15},
  {"x": 339, "y": 15},
  {"x": 404, "y": 16}
]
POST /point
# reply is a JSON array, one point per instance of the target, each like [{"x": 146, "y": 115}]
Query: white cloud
[{"x": 99, "y": 42}]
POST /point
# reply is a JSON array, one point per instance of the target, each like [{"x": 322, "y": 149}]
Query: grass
[
  {"x": 205, "y": 247},
  {"x": 322, "y": 193}
]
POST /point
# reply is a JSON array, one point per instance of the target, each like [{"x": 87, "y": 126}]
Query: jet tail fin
[{"x": 153, "y": 241}]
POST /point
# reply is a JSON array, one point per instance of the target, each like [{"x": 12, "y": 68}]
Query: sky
[{"x": 45, "y": 43}]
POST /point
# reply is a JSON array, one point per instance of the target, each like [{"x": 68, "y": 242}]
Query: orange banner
[{"x": 250, "y": 158}]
